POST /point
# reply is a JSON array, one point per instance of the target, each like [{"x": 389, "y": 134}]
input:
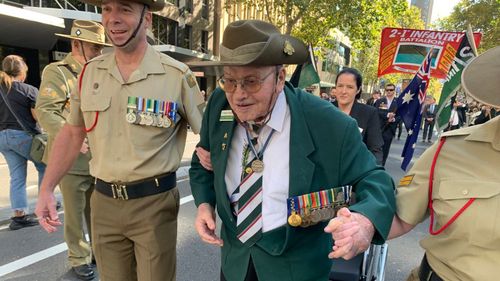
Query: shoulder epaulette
[
  {"x": 169, "y": 61},
  {"x": 99, "y": 58},
  {"x": 459, "y": 132}
]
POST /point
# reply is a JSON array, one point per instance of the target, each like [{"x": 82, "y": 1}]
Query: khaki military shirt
[
  {"x": 467, "y": 167},
  {"x": 52, "y": 105},
  {"x": 124, "y": 152}
]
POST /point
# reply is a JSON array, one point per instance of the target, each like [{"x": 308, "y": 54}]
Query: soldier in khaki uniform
[
  {"x": 52, "y": 108},
  {"x": 134, "y": 105},
  {"x": 461, "y": 174}
]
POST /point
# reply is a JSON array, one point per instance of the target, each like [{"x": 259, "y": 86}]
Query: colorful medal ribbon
[{"x": 317, "y": 206}]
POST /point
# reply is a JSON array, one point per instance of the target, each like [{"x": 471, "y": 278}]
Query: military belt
[
  {"x": 426, "y": 273},
  {"x": 137, "y": 189}
]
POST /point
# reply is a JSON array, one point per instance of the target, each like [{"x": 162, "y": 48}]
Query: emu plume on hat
[
  {"x": 256, "y": 43},
  {"x": 481, "y": 77},
  {"x": 153, "y": 5},
  {"x": 88, "y": 31}
]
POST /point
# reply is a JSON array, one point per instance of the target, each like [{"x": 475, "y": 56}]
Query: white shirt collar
[{"x": 277, "y": 120}]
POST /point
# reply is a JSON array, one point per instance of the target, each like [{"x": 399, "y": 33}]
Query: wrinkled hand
[
  {"x": 46, "y": 211},
  {"x": 352, "y": 233},
  {"x": 205, "y": 225},
  {"x": 204, "y": 157}
]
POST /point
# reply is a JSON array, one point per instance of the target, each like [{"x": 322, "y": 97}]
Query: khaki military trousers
[
  {"x": 76, "y": 191},
  {"x": 135, "y": 239}
]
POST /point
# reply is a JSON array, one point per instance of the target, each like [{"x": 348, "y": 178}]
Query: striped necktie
[
  {"x": 248, "y": 207},
  {"x": 247, "y": 198}
]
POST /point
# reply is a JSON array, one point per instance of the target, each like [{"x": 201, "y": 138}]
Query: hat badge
[
  {"x": 78, "y": 32},
  {"x": 288, "y": 48}
]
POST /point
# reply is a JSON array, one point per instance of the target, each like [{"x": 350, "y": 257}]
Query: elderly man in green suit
[
  {"x": 270, "y": 159},
  {"x": 52, "y": 107}
]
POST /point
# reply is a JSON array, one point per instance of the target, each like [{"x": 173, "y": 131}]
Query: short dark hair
[
  {"x": 357, "y": 76},
  {"x": 390, "y": 84}
]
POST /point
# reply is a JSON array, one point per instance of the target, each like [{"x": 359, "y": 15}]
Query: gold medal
[
  {"x": 257, "y": 166},
  {"x": 294, "y": 219},
  {"x": 248, "y": 170},
  {"x": 131, "y": 117}
]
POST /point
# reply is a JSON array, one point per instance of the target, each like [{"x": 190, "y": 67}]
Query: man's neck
[
  {"x": 78, "y": 58},
  {"x": 129, "y": 60}
]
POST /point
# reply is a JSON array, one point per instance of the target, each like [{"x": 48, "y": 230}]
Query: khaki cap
[
  {"x": 481, "y": 77},
  {"x": 154, "y": 5},
  {"x": 88, "y": 31},
  {"x": 256, "y": 42}
]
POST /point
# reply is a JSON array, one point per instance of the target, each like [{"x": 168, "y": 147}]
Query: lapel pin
[{"x": 226, "y": 115}]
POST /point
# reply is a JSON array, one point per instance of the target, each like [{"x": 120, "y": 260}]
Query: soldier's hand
[
  {"x": 352, "y": 233},
  {"x": 204, "y": 157},
  {"x": 46, "y": 211},
  {"x": 205, "y": 225}
]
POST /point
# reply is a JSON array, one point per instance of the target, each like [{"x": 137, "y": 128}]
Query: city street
[{"x": 31, "y": 254}]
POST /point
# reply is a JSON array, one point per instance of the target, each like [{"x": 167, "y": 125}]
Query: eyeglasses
[
  {"x": 249, "y": 84},
  {"x": 390, "y": 90}
]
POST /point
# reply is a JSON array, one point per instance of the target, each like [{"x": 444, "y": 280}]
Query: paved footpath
[{"x": 32, "y": 179}]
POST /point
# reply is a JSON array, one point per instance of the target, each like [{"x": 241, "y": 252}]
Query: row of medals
[
  {"x": 310, "y": 217},
  {"x": 149, "y": 119}
]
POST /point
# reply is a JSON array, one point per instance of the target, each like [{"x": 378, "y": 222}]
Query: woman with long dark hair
[
  {"x": 347, "y": 91},
  {"x": 18, "y": 100}
]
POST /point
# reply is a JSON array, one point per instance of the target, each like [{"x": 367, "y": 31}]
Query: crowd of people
[{"x": 289, "y": 198}]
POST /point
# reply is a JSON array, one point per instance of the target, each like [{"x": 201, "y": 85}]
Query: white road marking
[{"x": 52, "y": 251}]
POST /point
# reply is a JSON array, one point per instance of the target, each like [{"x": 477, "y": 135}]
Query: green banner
[{"x": 464, "y": 55}]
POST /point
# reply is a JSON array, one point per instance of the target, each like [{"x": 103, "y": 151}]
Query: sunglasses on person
[{"x": 390, "y": 90}]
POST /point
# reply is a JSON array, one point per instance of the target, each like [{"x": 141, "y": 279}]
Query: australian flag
[{"x": 410, "y": 103}]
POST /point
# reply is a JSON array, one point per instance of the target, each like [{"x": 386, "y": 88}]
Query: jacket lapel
[
  {"x": 225, "y": 134},
  {"x": 301, "y": 146}
]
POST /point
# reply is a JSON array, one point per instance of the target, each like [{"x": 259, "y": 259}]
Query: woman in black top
[
  {"x": 15, "y": 142},
  {"x": 347, "y": 91}
]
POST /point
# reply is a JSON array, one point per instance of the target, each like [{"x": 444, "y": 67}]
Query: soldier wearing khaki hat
[
  {"x": 133, "y": 104},
  {"x": 270, "y": 147},
  {"x": 456, "y": 183},
  {"x": 52, "y": 107}
]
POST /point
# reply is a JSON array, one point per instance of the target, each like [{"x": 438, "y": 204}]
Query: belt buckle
[{"x": 119, "y": 191}]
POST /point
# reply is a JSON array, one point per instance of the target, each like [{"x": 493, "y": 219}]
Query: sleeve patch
[
  {"x": 49, "y": 92},
  {"x": 191, "y": 80},
  {"x": 406, "y": 180}
]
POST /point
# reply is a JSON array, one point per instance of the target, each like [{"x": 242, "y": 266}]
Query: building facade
[
  {"x": 182, "y": 30},
  {"x": 425, "y": 7}
]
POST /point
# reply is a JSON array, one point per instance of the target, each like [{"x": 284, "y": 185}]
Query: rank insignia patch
[
  {"x": 191, "y": 80},
  {"x": 406, "y": 180}
]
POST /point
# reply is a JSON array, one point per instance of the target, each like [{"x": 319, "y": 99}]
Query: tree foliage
[
  {"x": 482, "y": 15},
  {"x": 362, "y": 21}
]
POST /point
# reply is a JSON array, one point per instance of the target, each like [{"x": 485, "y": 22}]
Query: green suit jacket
[
  {"x": 326, "y": 150},
  {"x": 52, "y": 105}
]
